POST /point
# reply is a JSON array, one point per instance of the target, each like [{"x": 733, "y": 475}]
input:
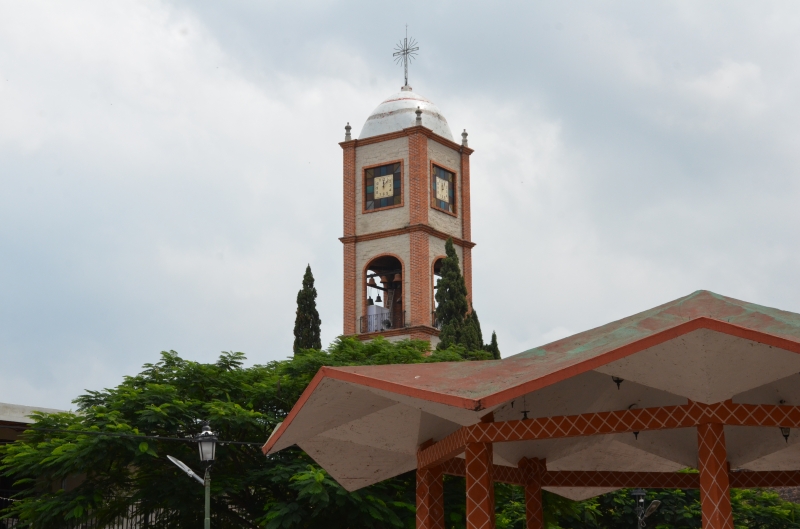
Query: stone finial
[
  {"x": 418, "y": 112},
  {"x": 347, "y": 128},
  {"x": 464, "y": 138}
]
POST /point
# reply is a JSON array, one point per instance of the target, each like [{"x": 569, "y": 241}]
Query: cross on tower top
[{"x": 405, "y": 51}]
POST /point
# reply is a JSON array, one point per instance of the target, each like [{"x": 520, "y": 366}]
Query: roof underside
[{"x": 364, "y": 424}]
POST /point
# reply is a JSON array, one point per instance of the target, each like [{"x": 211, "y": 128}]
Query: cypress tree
[
  {"x": 492, "y": 347},
  {"x": 472, "y": 337},
  {"x": 460, "y": 326},
  {"x": 451, "y": 296},
  {"x": 307, "y": 322}
]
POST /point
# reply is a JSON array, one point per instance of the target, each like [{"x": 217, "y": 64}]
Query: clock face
[
  {"x": 384, "y": 186},
  {"x": 442, "y": 190}
]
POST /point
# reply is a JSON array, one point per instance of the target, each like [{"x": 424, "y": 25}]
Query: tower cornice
[
  {"x": 408, "y": 132},
  {"x": 406, "y": 230}
]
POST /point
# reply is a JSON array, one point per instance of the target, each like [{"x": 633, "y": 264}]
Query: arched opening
[
  {"x": 384, "y": 288},
  {"x": 437, "y": 275}
]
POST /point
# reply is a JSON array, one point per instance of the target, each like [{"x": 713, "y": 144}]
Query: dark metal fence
[
  {"x": 383, "y": 322},
  {"x": 134, "y": 519}
]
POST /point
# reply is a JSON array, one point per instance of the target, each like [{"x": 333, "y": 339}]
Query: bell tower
[{"x": 406, "y": 191}]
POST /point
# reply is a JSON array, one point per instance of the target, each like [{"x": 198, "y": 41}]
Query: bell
[
  {"x": 378, "y": 299},
  {"x": 369, "y": 301},
  {"x": 384, "y": 280},
  {"x": 372, "y": 282},
  {"x": 398, "y": 278}
]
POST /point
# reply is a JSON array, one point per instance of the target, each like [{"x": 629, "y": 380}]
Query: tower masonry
[{"x": 406, "y": 191}]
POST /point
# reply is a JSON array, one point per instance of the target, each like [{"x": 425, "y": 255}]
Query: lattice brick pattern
[
  {"x": 647, "y": 480},
  {"x": 480, "y": 486},
  {"x": 712, "y": 458},
  {"x": 775, "y": 478},
  {"x": 430, "y": 498},
  {"x": 731, "y": 414},
  {"x": 500, "y": 473},
  {"x": 622, "y": 421},
  {"x": 532, "y": 471}
]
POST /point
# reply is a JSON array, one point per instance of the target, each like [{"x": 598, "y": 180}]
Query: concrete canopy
[{"x": 366, "y": 424}]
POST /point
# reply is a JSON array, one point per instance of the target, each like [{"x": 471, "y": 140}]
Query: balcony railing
[{"x": 383, "y": 322}]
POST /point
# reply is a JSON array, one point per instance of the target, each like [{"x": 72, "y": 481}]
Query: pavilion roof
[
  {"x": 365, "y": 424},
  {"x": 478, "y": 385}
]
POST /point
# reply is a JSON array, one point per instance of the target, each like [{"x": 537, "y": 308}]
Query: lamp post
[
  {"x": 207, "y": 445},
  {"x": 641, "y": 513}
]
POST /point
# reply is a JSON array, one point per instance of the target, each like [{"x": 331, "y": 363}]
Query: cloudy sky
[{"x": 167, "y": 169}]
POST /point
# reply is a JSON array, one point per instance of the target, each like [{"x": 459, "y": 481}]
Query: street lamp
[
  {"x": 641, "y": 513},
  {"x": 207, "y": 445}
]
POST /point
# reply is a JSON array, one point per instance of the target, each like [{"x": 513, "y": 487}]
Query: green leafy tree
[
  {"x": 459, "y": 325},
  {"x": 451, "y": 296},
  {"x": 307, "y": 322},
  {"x": 752, "y": 509},
  {"x": 472, "y": 337},
  {"x": 492, "y": 347},
  {"x": 169, "y": 399}
]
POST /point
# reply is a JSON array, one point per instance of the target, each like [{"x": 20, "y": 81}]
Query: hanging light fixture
[
  {"x": 785, "y": 433},
  {"x": 206, "y": 443},
  {"x": 617, "y": 380}
]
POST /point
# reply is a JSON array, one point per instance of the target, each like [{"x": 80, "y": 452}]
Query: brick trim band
[
  {"x": 406, "y": 230},
  {"x": 407, "y": 132}
]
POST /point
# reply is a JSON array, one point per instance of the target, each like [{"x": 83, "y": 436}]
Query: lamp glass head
[{"x": 207, "y": 444}]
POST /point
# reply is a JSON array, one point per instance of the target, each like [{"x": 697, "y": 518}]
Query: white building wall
[
  {"x": 448, "y": 159},
  {"x": 370, "y": 155}
]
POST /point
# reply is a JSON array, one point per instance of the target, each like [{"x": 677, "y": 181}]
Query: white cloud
[{"x": 168, "y": 169}]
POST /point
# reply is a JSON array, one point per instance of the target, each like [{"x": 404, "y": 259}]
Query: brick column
[
  {"x": 534, "y": 513},
  {"x": 418, "y": 197},
  {"x": 349, "y": 229},
  {"x": 480, "y": 486},
  {"x": 430, "y": 498},
  {"x": 466, "y": 220},
  {"x": 419, "y": 204},
  {"x": 420, "y": 279},
  {"x": 466, "y": 271},
  {"x": 715, "y": 492},
  {"x": 350, "y": 289}
]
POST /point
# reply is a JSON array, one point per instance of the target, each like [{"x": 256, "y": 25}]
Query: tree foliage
[
  {"x": 492, "y": 347},
  {"x": 307, "y": 322},
  {"x": 680, "y": 509},
  {"x": 459, "y": 321},
  {"x": 169, "y": 399}
]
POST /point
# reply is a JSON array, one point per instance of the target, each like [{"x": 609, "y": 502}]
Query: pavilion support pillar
[
  {"x": 532, "y": 470},
  {"x": 480, "y": 486},
  {"x": 430, "y": 498},
  {"x": 715, "y": 491}
]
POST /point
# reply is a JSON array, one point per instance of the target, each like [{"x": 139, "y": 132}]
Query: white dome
[{"x": 397, "y": 112}]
